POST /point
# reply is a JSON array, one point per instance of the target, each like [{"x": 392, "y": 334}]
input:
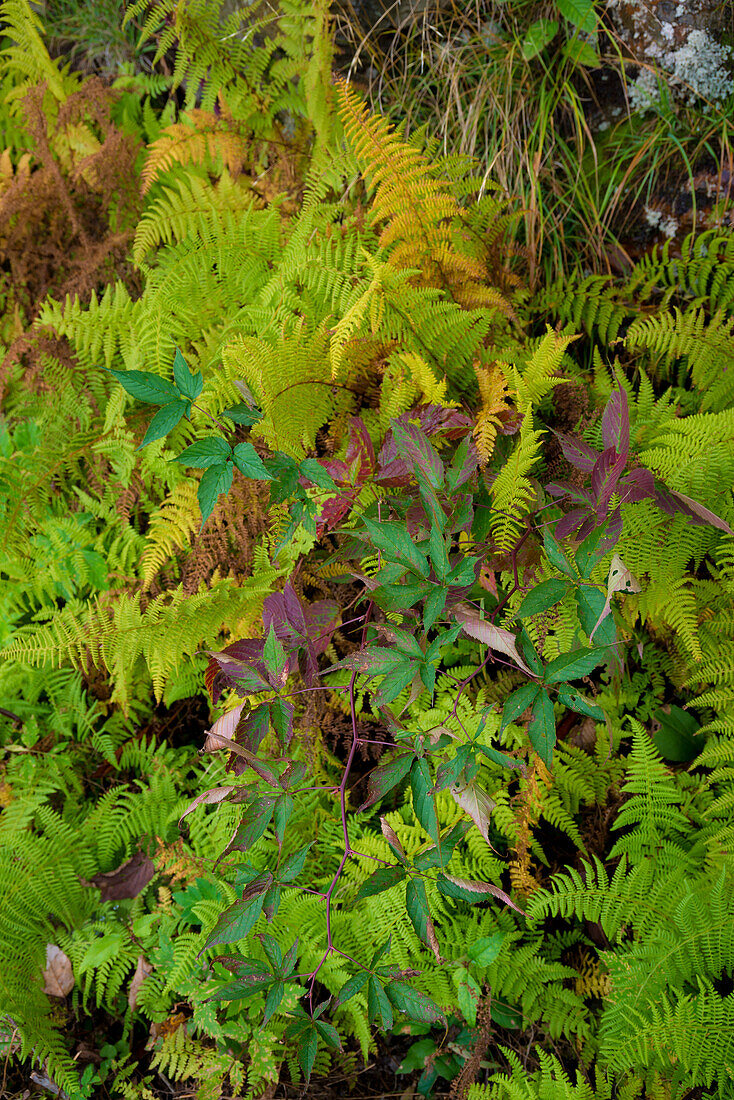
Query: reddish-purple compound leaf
[
  {"x": 416, "y": 448},
  {"x": 385, "y": 777},
  {"x": 322, "y": 619},
  {"x": 415, "y": 1005},
  {"x": 671, "y": 502},
  {"x": 637, "y": 485},
  {"x": 384, "y": 878},
  {"x": 607, "y": 471},
  {"x": 126, "y": 881},
  {"x": 253, "y": 727},
  {"x": 578, "y": 453},
  {"x": 615, "y": 423},
  {"x": 572, "y": 521}
]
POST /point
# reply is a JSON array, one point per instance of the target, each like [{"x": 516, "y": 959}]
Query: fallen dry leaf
[
  {"x": 58, "y": 977},
  {"x": 127, "y": 880},
  {"x": 142, "y": 970}
]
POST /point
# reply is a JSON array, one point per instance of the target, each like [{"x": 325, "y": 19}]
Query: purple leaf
[
  {"x": 416, "y": 448},
  {"x": 607, "y": 471},
  {"x": 615, "y": 423},
  {"x": 671, "y": 502},
  {"x": 637, "y": 485},
  {"x": 578, "y": 453},
  {"x": 571, "y": 522},
  {"x": 322, "y": 619}
]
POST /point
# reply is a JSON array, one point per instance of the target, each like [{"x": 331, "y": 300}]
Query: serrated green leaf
[
  {"x": 424, "y": 804},
  {"x": 190, "y": 385},
  {"x": 214, "y": 481},
  {"x": 538, "y": 35},
  {"x": 555, "y": 554},
  {"x": 543, "y": 596},
  {"x": 434, "y": 606},
  {"x": 379, "y": 1009},
  {"x": 382, "y": 780},
  {"x": 449, "y": 772},
  {"x": 281, "y": 813},
  {"x": 212, "y": 451},
  {"x": 306, "y": 1051},
  {"x": 274, "y": 657},
  {"x": 249, "y": 463},
  {"x": 352, "y": 987},
  {"x": 253, "y": 823},
  {"x": 313, "y": 471},
  {"x": 542, "y": 727},
  {"x": 571, "y": 666},
  {"x": 271, "y": 947},
  {"x": 147, "y": 387},
  {"x": 240, "y": 917},
  {"x": 486, "y": 949},
  {"x": 415, "y": 1005},
  {"x": 243, "y": 414},
  {"x": 591, "y": 551},
  {"x": 384, "y": 878},
  {"x": 394, "y": 541},
  {"x": 439, "y": 554},
  {"x": 468, "y": 994},
  {"x": 416, "y": 903},
  {"x": 591, "y": 602},
  {"x": 163, "y": 422},
  {"x": 329, "y": 1034},
  {"x": 579, "y": 13},
  {"x": 582, "y": 54},
  {"x": 292, "y": 867},
  {"x": 575, "y": 701},
  {"x": 517, "y": 703},
  {"x": 272, "y": 1000}
]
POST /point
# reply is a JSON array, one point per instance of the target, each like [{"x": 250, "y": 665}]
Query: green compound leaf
[
  {"x": 163, "y": 421},
  {"x": 571, "y": 666},
  {"x": 383, "y": 779},
  {"x": 351, "y": 988},
  {"x": 575, "y": 701},
  {"x": 415, "y": 1005},
  {"x": 147, "y": 387},
  {"x": 555, "y": 554},
  {"x": 314, "y": 472},
  {"x": 306, "y": 1051},
  {"x": 423, "y": 801},
  {"x": 379, "y": 1009},
  {"x": 190, "y": 385},
  {"x": 517, "y": 703},
  {"x": 272, "y": 1000},
  {"x": 393, "y": 539},
  {"x": 214, "y": 481},
  {"x": 545, "y": 595},
  {"x": 243, "y": 414},
  {"x": 416, "y": 903},
  {"x": 292, "y": 867},
  {"x": 542, "y": 727},
  {"x": 591, "y": 603},
  {"x": 236, "y": 921},
  {"x": 206, "y": 452},
  {"x": 249, "y": 463},
  {"x": 329, "y": 1034},
  {"x": 384, "y": 878},
  {"x": 434, "y": 606}
]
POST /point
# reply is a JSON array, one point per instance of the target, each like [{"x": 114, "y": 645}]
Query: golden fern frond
[
  {"x": 202, "y": 138},
  {"x": 494, "y": 393},
  {"x": 419, "y": 212},
  {"x": 542, "y": 372}
]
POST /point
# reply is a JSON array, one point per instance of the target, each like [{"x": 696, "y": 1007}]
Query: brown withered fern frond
[{"x": 55, "y": 233}]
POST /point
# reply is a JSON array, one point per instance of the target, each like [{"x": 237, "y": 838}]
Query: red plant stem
[{"x": 348, "y": 851}]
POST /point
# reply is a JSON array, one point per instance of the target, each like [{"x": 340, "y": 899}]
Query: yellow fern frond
[
  {"x": 494, "y": 393},
  {"x": 512, "y": 491}
]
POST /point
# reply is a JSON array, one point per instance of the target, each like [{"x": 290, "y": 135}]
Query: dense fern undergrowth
[{"x": 373, "y": 703}]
